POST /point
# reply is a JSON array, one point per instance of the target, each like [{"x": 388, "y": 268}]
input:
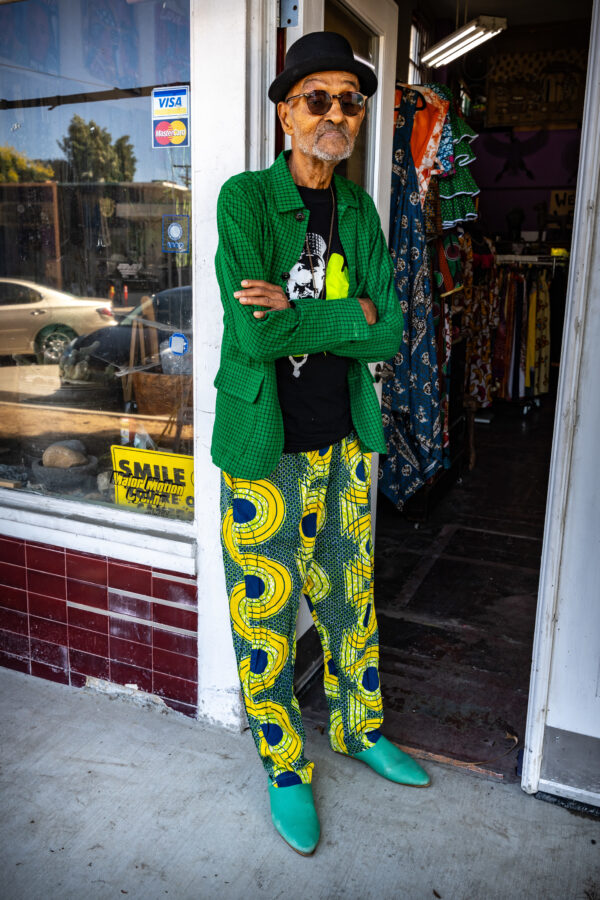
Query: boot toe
[
  {"x": 295, "y": 817},
  {"x": 392, "y": 763}
]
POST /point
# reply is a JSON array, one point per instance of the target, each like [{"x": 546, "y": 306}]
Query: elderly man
[{"x": 307, "y": 287}]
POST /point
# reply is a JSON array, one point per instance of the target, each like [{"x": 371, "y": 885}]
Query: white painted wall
[
  {"x": 218, "y": 124},
  {"x": 233, "y": 49}
]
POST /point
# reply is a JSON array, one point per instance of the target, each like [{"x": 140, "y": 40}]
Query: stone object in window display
[
  {"x": 64, "y": 455},
  {"x": 13, "y": 476},
  {"x": 104, "y": 482},
  {"x": 62, "y": 481}
]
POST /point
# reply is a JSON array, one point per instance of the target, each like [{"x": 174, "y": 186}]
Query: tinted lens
[
  {"x": 318, "y": 102},
  {"x": 351, "y": 102}
]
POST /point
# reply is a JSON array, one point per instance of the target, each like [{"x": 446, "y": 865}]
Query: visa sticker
[{"x": 170, "y": 102}]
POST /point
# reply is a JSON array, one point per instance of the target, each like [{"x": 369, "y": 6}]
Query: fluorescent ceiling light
[
  {"x": 478, "y": 39},
  {"x": 471, "y": 35},
  {"x": 447, "y": 42}
]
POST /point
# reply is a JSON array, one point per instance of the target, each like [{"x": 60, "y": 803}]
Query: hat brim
[{"x": 288, "y": 78}]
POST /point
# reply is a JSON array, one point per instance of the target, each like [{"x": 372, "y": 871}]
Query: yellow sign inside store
[{"x": 153, "y": 479}]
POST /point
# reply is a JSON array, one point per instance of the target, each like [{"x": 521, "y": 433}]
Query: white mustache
[{"x": 327, "y": 127}]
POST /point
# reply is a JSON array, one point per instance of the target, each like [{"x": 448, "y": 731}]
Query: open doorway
[{"x": 457, "y": 569}]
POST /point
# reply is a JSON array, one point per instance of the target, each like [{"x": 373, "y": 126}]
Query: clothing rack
[{"x": 509, "y": 259}]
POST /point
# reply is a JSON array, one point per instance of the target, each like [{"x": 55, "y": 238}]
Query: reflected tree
[
  {"x": 15, "y": 167},
  {"x": 91, "y": 154}
]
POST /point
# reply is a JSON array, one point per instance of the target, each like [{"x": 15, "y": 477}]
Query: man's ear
[{"x": 284, "y": 113}]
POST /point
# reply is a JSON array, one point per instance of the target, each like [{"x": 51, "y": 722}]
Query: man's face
[{"x": 328, "y": 137}]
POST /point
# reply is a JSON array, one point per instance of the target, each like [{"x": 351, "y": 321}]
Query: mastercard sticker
[{"x": 171, "y": 132}]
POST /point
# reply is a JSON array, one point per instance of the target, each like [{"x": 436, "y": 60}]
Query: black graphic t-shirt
[{"x": 313, "y": 389}]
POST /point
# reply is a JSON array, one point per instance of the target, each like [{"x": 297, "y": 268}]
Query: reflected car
[
  {"x": 35, "y": 319},
  {"x": 105, "y": 354}
]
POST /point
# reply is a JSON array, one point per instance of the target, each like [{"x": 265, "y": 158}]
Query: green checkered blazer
[{"x": 262, "y": 225}]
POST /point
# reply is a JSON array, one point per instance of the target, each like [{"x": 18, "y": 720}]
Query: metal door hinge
[{"x": 288, "y": 13}]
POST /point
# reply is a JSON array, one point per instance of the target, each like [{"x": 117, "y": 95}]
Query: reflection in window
[{"x": 95, "y": 266}]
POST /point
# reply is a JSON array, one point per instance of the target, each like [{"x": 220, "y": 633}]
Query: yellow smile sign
[{"x": 152, "y": 479}]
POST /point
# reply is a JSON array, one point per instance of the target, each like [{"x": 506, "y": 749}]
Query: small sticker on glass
[
  {"x": 178, "y": 344},
  {"x": 175, "y": 233}
]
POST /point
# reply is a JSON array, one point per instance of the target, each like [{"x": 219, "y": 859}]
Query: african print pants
[{"x": 304, "y": 530}]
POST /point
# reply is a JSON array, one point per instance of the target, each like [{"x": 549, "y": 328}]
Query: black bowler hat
[{"x": 321, "y": 51}]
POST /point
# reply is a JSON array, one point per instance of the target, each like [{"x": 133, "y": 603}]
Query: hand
[
  {"x": 261, "y": 293},
  {"x": 369, "y": 309}
]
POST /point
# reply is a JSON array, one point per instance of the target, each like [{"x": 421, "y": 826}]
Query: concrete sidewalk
[{"x": 103, "y": 798}]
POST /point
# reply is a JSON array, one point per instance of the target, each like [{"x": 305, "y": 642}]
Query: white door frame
[{"x": 581, "y": 273}]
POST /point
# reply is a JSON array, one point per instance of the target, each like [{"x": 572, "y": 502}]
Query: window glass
[
  {"x": 364, "y": 45},
  {"x": 95, "y": 255},
  {"x": 417, "y": 72},
  {"x": 13, "y": 292}
]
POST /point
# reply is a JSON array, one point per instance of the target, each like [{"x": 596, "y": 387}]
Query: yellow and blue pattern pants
[{"x": 304, "y": 530}]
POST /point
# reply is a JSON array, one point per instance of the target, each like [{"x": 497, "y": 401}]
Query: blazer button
[
  {"x": 285, "y": 276},
  {"x": 299, "y": 217}
]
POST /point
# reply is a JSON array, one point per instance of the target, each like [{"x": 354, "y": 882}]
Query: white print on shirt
[{"x": 300, "y": 282}]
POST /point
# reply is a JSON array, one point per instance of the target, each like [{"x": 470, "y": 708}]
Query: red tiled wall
[{"x": 65, "y": 615}]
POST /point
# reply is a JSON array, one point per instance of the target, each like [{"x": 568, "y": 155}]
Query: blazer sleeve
[
  {"x": 312, "y": 327},
  {"x": 385, "y": 337}
]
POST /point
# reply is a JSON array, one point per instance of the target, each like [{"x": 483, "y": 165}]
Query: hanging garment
[
  {"x": 531, "y": 339},
  {"x": 444, "y": 163},
  {"x": 480, "y": 320},
  {"x": 305, "y": 529},
  {"x": 432, "y": 211},
  {"x": 457, "y": 185},
  {"x": 502, "y": 351},
  {"x": 461, "y": 183},
  {"x": 542, "y": 344},
  {"x": 426, "y": 135},
  {"x": 517, "y": 387},
  {"x": 411, "y": 399},
  {"x": 463, "y": 152},
  {"x": 446, "y": 285},
  {"x": 456, "y": 210}
]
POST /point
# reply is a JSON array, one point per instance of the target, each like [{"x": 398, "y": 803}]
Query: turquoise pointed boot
[
  {"x": 392, "y": 763},
  {"x": 295, "y": 817}
]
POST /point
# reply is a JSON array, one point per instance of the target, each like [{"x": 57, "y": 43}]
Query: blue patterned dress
[{"x": 411, "y": 396}]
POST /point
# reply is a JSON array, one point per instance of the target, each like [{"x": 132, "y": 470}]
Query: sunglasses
[{"x": 320, "y": 102}]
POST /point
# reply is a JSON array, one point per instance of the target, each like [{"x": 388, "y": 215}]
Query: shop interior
[{"x": 462, "y": 493}]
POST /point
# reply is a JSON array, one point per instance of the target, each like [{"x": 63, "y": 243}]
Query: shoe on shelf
[
  {"x": 295, "y": 817},
  {"x": 392, "y": 763}
]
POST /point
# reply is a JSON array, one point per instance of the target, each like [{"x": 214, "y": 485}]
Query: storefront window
[{"x": 95, "y": 253}]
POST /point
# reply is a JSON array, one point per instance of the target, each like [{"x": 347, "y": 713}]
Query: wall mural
[{"x": 543, "y": 88}]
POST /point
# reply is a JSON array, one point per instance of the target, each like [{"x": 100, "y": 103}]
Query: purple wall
[{"x": 522, "y": 172}]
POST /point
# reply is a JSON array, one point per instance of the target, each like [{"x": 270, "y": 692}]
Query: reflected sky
[{"x": 62, "y": 48}]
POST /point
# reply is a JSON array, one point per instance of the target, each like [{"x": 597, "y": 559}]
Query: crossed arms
[{"x": 267, "y": 327}]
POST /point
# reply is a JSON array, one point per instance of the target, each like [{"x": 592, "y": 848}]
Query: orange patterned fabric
[{"x": 426, "y": 136}]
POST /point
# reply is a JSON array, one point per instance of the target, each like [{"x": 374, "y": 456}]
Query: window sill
[{"x": 118, "y": 534}]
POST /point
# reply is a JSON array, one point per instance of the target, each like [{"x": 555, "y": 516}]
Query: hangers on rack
[{"x": 504, "y": 259}]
